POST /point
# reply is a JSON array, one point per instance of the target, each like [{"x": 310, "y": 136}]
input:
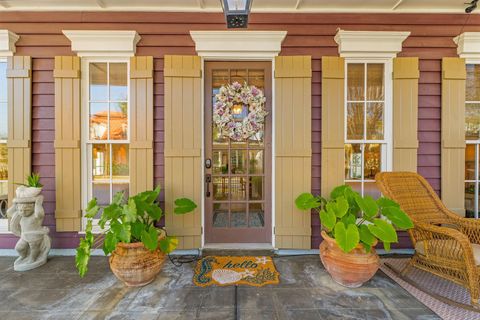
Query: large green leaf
[
  {"x": 307, "y": 201},
  {"x": 82, "y": 257},
  {"x": 122, "y": 231},
  {"x": 109, "y": 243},
  {"x": 338, "y": 191},
  {"x": 154, "y": 211},
  {"x": 349, "y": 219},
  {"x": 398, "y": 217},
  {"x": 92, "y": 208},
  {"x": 136, "y": 228},
  {"x": 366, "y": 236},
  {"x": 346, "y": 238},
  {"x": 368, "y": 205},
  {"x": 130, "y": 211},
  {"x": 383, "y": 230},
  {"x": 184, "y": 205},
  {"x": 118, "y": 197},
  {"x": 168, "y": 244},
  {"x": 328, "y": 219},
  {"x": 386, "y": 202},
  {"x": 339, "y": 207},
  {"x": 150, "y": 238}
]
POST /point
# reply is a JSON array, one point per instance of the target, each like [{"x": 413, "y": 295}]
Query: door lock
[{"x": 208, "y": 163}]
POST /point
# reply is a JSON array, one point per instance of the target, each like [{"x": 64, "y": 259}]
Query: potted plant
[
  {"x": 129, "y": 234},
  {"x": 31, "y": 188},
  {"x": 351, "y": 227}
]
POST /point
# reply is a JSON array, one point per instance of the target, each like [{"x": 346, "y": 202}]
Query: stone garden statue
[{"x": 26, "y": 216}]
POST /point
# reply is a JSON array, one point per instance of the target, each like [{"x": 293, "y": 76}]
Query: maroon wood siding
[{"x": 168, "y": 33}]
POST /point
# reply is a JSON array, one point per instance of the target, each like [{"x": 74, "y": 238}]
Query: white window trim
[
  {"x": 387, "y": 157},
  {"x": 7, "y": 49},
  {"x": 86, "y": 143},
  {"x": 239, "y": 45},
  {"x": 468, "y": 47},
  {"x": 103, "y": 43}
]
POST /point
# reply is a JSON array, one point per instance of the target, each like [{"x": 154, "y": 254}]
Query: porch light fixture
[{"x": 236, "y": 12}]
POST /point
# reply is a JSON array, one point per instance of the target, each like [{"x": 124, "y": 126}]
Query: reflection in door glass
[
  {"x": 239, "y": 215},
  {"x": 220, "y": 215},
  {"x": 220, "y": 188},
  {"x": 256, "y": 215}
]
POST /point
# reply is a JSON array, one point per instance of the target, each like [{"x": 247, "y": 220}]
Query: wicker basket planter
[
  {"x": 134, "y": 264},
  {"x": 348, "y": 269}
]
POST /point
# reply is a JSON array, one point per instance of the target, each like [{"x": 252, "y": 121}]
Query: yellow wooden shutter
[
  {"x": 293, "y": 149},
  {"x": 141, "y": 124},
  {"x": 183, "y": 145},
  {"x": 67, "y": 143},
  {"x": 19, "y": 86},
  {"x": 333, "y": 123},
  {"x": 405, "y": 114},
  {"x": 453, "y": 133}
]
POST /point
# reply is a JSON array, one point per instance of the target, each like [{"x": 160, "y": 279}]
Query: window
[
  {"x": 106, "y": 129},
  {"x": 472, "y": 137},
  {"x": 3, "y": 139},
  {"x": 368, "y": 124}
]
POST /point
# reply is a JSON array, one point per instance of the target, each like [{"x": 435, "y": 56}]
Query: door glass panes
[
  {"x": 366, "y": 143},
  {"x": 238, "y": 167},
  {"x": 108, "y": 118},
  {"x": 472, "y": 137},
  {"x": 3, "y": 134}
]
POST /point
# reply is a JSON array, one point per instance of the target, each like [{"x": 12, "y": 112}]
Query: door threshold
[{"x": 238, "y": 246}]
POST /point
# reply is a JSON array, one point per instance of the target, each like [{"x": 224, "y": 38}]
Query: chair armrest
[
  {"x": 470, "y": 227},
  {"x": 457, "y": 248}
]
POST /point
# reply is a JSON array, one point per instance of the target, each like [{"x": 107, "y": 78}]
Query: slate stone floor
[{"x": 55, "y": 291}]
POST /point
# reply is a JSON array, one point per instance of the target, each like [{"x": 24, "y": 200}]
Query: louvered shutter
[
  {"x": 293, "y": 149},
  {"x": 333, "y": 123},
  {"x": 68, "y": 210},
  {"x": 19, "y": 87},
  {"x": 183, "y": 145},
  {"x": 453, "y": 133},
  {"x": 141, "y": 124},
  {"x": 405, "y": 114}
]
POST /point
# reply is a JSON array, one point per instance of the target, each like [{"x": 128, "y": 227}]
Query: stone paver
[{"x": 306, "y": 291}]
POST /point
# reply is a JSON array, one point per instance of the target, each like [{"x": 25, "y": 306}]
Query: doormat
[{"x": 229, "y": 270}]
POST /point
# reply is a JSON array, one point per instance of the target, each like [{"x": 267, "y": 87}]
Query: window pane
[
  {"x": 355, "y": 81},
  {"x": 472, "y": 121},
  {"x": 239, "y": 75},
  {"x": 220, "y": 162},
  {"x": 238, "y": 187},
  {"x": 256, "y": 188},
  {"x": 239, "y": 215},
  {"x": 120, "y": 155},
  {"x": 256, "y": 215},
  {"x": 220, "y": 215},
  {"x": 470, "y": 192},
  {"x": 473, "y": 82},
  {"x": 353, "y": 162},
  {"x": 98, "y": 82},
  {"x": 375, "y": 121},
  {"x": 3, "y": 121},
  {"x": 101, "y": 163},
  {"x": 355, "y": 121},
  {"x": 118, "y": 82},
  {"x": 356, "y": 186},
  {"x": 256, "y": 78},
  {"x": 238, "y": 161},
  {"x": 121, "y": 187},
  {"x": 370, "y": 189},
  {"x": 375, "y": 87},
  {"x": 118, "y": 121},
  {"x": 3, "y": 162},
  {"x": 220, "y": 188},
  {"x": 373, "y": 156},
  {"x": 3, "y": 81},
  {"x": 470, "y": 151},
  {"x": 98, "y": 121},
  {"x": 256, "y": 161}
]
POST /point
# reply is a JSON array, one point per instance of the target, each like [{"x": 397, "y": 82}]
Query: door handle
[{"x": 208, "y": 179}]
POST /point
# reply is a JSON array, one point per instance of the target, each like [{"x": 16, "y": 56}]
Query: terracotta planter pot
[
  {"x": 134, "y": 264},
  {"x": 348, "y": 269}
]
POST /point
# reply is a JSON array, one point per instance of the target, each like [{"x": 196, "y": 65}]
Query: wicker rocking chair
[{"x": 445, "y": 244}]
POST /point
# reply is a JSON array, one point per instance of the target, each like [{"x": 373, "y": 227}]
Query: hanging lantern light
[{"x": 236, "y": 12}]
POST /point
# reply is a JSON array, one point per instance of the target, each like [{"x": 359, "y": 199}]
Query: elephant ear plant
[
  {"x": 351, "y": 219},
  {"x": 127, "y": 221}
]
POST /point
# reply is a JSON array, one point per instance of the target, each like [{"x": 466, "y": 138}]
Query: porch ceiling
[{"x": 392, "y": 6}]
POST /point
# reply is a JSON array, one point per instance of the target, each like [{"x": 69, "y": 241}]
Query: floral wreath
[{"x": 235, "y": 95}]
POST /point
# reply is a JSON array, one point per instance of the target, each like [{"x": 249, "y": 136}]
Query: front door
[{"x": 237, "y": 173}]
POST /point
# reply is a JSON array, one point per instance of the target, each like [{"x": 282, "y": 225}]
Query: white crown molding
[
  {"x": 468, "y": 45},
  {"x": 235, "y": 44},
  {"x": 101, "y": 43},
  {"x": 7, "y": 42},
  {"x": 370, "y": 44}
]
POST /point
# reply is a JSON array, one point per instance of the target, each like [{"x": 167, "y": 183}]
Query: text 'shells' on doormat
[{"x": 224, "y": 271}]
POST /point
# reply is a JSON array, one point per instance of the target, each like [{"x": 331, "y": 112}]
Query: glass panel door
[{"x": 238, "y": 172}]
